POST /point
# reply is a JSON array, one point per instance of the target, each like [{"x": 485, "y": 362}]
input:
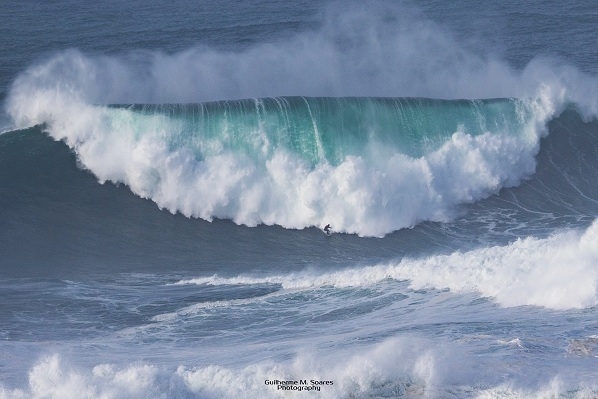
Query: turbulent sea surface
[{"x": 166, "y": 170}]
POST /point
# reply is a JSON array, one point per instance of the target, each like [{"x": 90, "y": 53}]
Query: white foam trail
[
  {"x": 195, "y": 308},
  {"x": 557, "y": 272}
]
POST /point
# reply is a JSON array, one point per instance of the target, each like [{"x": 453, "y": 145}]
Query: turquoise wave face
[{"x": 322, "y": 130}]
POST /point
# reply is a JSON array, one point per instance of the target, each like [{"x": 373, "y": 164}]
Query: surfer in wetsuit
[{"x": 327, "y": 229}]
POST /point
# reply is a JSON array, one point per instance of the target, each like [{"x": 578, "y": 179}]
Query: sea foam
[
  {"x": 398, "y": 367},
  {"x": 556, "y": 272}
]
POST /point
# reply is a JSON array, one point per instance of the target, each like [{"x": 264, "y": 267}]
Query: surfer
[{"x": 327, "y": 229}]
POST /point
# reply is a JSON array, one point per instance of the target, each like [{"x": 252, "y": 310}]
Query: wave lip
[{"x": 327, "y": 129}]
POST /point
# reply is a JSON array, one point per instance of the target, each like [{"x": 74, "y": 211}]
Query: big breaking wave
[{"x": 370, "y": 192}]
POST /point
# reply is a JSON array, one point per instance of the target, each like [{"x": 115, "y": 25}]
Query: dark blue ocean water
[{"x": 166, "y": 168}]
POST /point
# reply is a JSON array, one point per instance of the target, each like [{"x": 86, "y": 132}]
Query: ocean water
[{"x": 166, "y": 170}]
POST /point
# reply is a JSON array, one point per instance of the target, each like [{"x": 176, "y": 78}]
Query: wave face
[
  {"x": 366, "y": 165},
  {"x": 326, "y": 130}
]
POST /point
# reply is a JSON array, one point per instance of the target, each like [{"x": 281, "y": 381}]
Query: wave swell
[{"x": 526, "y": 272}]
